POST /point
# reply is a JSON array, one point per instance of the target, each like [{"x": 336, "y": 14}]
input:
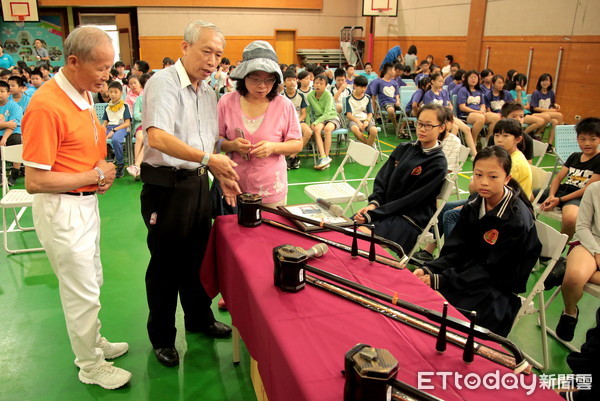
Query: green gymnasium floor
[{"x": 36, "y": 362}]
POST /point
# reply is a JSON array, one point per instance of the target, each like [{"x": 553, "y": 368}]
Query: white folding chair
[
  {"x": 539, "y": 151},
  {"x": 14, "y": 198},
  {"x": 462, "y": 159},
  {"x": 442, "y": 198},
  {"x": 540, "y": 179},
  {"x": 341, "y": 191},
  {"x": 553, "y": 244}
]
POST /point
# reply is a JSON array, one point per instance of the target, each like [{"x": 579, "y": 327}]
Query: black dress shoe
[
  {"x": 167, "y": 356},
  {"x": 215, "y": 329}
]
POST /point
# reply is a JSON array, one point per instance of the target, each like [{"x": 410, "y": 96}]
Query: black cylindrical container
[
  {"x": 249, "y": 209},
  {"x": 289, "y": 264},
  {"x": 369, "y": 372}
]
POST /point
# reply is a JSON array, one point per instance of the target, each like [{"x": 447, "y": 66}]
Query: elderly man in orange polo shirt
[{"x": 64, "y": 151}]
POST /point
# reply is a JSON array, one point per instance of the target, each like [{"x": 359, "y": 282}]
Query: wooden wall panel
[{"x": 285, "y": 4}]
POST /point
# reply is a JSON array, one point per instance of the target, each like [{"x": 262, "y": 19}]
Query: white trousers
[{"x": 69, "y": 229}]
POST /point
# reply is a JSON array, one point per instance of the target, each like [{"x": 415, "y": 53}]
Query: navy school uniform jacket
[
  {"x": 405, "y": 191},
  {"x": 486, "y": 262}
]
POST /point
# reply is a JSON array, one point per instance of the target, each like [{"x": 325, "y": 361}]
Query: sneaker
[
  {"x": 133, "y": 170},
  {"x": 295, "y": 163},
  {"x": 550, "y": 148},
  {"x": 555, "y": 278},
  {"x": 112, "y": 350},
  {"x": 565, "y": 329},
  {"x": 288, "y": 162},
  {"x": 120, "y": 171},
  {"x": 423, "y": 256},
  {"x": 323, "y": 162},
  {"x": 106, "y": 375}
]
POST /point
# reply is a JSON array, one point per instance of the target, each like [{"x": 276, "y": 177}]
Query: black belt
[
  {"x": 169, "y": 176},
  {"x": 84, "y": 193}
]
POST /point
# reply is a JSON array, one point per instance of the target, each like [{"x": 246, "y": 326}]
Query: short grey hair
[
  {"x": 83, "y": 41},
  {"x": 195, "y": 28}
]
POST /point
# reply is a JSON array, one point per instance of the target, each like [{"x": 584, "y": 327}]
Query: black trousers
[{"x": 177, "y": 215}]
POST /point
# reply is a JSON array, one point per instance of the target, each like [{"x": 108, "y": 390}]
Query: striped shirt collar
[
  {"x": 66, "y": 86},
  {"x": 184, "y": 78},
  {"x": 501, "y": 206}
]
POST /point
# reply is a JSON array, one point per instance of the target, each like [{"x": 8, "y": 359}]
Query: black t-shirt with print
[{"x": 580, "y": 172}]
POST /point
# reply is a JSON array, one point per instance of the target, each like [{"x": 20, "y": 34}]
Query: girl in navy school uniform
[
  {"x": 495, "y": 99},
  {"x": 471, "y": 106},
  {"x": 487, "y": 259},
  {"x": 413, "y": 105},
  {"x": 438, "y": 95},
  {"x": 406, "y": 187},
  {"x": 543, "y": 101}
]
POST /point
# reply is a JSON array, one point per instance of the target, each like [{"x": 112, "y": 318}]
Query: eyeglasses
[
  {"x": 256, "y": 81},
  {"x": 427, "y": 127}
]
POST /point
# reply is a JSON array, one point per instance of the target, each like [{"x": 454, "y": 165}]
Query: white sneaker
[
  {"x": 112, "y": 350},
  {"x": 106, "y": 375},
  {"x": 323, "y": 163},
  {"x": 133, "y": 170}
]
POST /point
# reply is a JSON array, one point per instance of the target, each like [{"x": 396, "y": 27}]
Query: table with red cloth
[{"x": 299, "y": 339}]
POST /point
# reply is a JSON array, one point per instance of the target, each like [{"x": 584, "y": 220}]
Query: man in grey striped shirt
[{"x": 180, "y": 118}]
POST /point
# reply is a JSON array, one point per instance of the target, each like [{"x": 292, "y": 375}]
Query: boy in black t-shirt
[{"x": 580, "y": 170}]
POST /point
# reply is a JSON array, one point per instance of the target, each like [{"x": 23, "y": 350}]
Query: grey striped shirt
[{"x": 171, "y": 104}]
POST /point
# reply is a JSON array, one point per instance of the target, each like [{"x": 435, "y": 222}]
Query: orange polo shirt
[{"x": 61, "y": 131}]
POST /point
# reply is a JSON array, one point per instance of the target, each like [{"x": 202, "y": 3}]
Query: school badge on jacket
[
  {"x": 417, "y": 170},
  {"x": 491, "y": 236}
]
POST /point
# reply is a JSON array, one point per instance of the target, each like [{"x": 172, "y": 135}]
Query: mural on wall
[{"x": 17, "y": 39}]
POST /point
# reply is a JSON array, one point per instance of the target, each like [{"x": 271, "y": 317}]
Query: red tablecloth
[{"x": 300, "y": 340}]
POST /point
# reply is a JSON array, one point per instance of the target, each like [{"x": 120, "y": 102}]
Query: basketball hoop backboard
[
  {"x": 20, "y": 10},
  {"x": 380, "y": 8}
]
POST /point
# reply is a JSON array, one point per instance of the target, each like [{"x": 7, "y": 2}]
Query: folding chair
[
  {"x": 539, "y": 151},
  {"x": 14, "y": 198},
  {"x": 553, "y": 244},
  {"x": 406, "y": 93},
  {"x": 462, "y": 159},
  {"x": 342, "y": 191},
  {"x": 442, "y": 198},
  {"x": 100, "y": 108},
  {"x": 540, "y": 179}
]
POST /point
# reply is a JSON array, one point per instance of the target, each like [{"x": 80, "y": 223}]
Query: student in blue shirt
[
  {"x": 37, "y": 79},
  {"x": 6, "y": 61},
  {"x": 471, "y": 106},
  {"x": 368, "y": 72},
  {"x": 386, "y": 90},
  {"x": 543, "y": 101},
  {"x": 495, "y": 99},
  {"x": 10, "y": 126},
  {"x": 17, "y": 92}
]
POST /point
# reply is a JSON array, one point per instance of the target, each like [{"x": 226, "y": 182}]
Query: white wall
[
  {"x": 542, "y": 17},
  {"x": 156, "y": 21},
  {"x": 426, "y": 18}
]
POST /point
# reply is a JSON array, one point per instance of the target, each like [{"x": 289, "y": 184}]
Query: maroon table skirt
[{"x": 300, "y": 340}]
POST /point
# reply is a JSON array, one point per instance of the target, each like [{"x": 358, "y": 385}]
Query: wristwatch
[
  {"x": 101, "y": 176},
  {"x": 205, "y": 159}
]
